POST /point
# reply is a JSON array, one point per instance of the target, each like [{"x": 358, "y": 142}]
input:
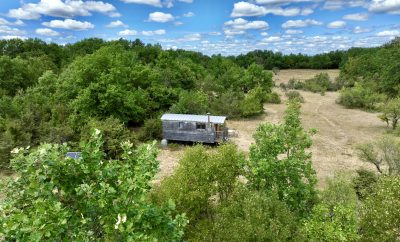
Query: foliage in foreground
[
  {"x": 279, "y": 160},
  {"x": 86, "y": 199}
]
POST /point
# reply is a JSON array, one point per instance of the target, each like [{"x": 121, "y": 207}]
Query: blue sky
[{"x": 227, "y": 27}]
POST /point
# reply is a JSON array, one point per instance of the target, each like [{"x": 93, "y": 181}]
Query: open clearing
[{"x": 339, "y": 130}]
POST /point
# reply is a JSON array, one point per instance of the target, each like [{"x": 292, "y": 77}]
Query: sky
[{"x": 227, "y": 27}]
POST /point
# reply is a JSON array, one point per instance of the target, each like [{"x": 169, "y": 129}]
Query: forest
[{"x": 104, "y": 98}]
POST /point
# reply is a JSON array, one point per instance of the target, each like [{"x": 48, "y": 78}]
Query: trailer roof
[{"x": 193, "y": 118}]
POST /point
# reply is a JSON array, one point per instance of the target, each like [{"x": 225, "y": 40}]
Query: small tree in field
[
  {"x": 56, "y": 198},
  {"x": 279, "y": 160},
  {"x": 391, "y": 113},
  {"x": 384, "y": 154}
]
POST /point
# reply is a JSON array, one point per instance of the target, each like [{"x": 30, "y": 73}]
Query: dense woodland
[{"x": 94, "y": 96}]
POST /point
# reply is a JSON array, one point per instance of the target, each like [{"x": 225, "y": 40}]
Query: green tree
[
  {"x": 380, "y": 217},
  {"x": 279, "y": 160},
  {"x": 87, "y": 199},
  {"x": 335, "y": 218},
  {"x": 391, "y": 112}
]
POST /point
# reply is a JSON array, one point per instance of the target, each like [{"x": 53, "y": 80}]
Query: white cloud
[
  {"x": 264, "y": 34},
  {"x": 385, "y": 6},
  {"x": 272, "y": 39},
  {"x": 189, "y": 14},
  {"x": 242, "y": 9},
  {"x": 360, "y": 30},
  {"x": 388, "y": 33},
  {"x": 8, "y": 37},
  {"x": 307, "y": 11},
  {"x": 233, "y": 32},
  {"x": 127, "y": 32},
  {"x": 116, "y": 24},
  {"x": 338, "y": 4},
  {"x": 6, "y": 22},
  {"x": 46, "y": 32},
  {"x": 215, "y": 33},
  {"x": 337, "y": 24},
  {"x": 357, "y": 17},
  {"x": 178, "y": 23},
  {"x": 155, "y": 32},
  {"x": 300, "y": 23},
  {"x": 59, "y": 8},
  {"x": 282, "y": 2},
  {"x": 11, "y": 31},
  {"x": 155, "y": 3},
  {"x": 69, "y": 24},
  {"x": 191, "y": 37},
  {"x": 294, "y": 31},
  {"x": 242, "y": 24},
  {"x": 161, "y": 17}
]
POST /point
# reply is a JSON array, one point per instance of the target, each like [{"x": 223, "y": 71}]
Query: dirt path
[{"x": 339, "y": 130}]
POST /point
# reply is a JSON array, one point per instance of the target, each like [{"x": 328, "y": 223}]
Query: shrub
[
  {"x": 228, "y": 104},
  {"x": 253, "y": 216},
  {"x": 335, "y": 218},
  {"x": 191, "y": 103},
  {"x": 151, "y": 130},
  {"x": 273, "y": 97},
  {"x": 360, "y": 97},
  {"x": 279, "y": 160},
  {"x": 91, "y": 198},
  {"x": 202, "y": 179},
  {"x": 391, "y": 112},
  {"x": 380, "y": 217},
  {"x": 275, "y": 70},
  {"x": 295, "y": 96},
  {"x": 363, "y": 183},
  {"x": 251, "y": 105},
  {"x": 114, "y": 132}
]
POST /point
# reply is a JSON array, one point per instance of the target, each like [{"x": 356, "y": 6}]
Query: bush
[
  {"x": 191, "y": 103},
  {"x": 251, "y": 105},
  {"x": 57, "y": 198},
  {"x": 253, "y": 216},
  {"x": 228, "y": 104},
  {"x": 295, "y": 96},
  {"x": 114, "y": 132},
  {"x": 380, "y": 217},
  {"x": 273, "y": 97},
  {"x": 360, "y": 97},
  {"x": 202, "y": 179},
  {"x": 151, "y": 130},
  {"x": 335, "y": 218},
  {"x": 364, "y": 182}
]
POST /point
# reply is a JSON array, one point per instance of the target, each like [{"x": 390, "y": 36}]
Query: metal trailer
[{"x": 194, "y": 128}]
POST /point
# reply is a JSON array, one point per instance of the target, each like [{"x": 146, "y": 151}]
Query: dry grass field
[{"x": 339, "y": 130}]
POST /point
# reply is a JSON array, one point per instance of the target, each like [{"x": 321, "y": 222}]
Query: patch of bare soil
[{"x": 339, "y": 130}]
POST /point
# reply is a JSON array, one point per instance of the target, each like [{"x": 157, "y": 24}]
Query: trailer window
[{"x": 200, "y": 126}]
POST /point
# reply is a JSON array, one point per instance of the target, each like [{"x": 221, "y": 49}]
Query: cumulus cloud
[
  {"x": 155, "y": 3},
  {"x": 360, "y": 30},
  {"x": 300, "y": 23},
  {"x": 11, "y": 31},
  {"x": 59, "y": 8},
  {"x": 336, "y": 24},
  {"x": 264, "y": 34},
  {"x": 191, "y": 37},
  {"x": 69, "y": 24},
  {"x": 6, "y": 22},
  {"x": 127, "y": 32},
  {"x": 243, "y": 9},
  {"x": 47, "y": 32},
  {"x": 388, "y": 33},
  {"x": 242, "y": 24},
  {"x": 338, "y": 4},
  {"x": 189, "y": 14},
  {"x": 154, "y": 32},
  {"x": 385, "y": 6},
  {"x": 294, "y": 31},
  {"x": 357, "y": 17},
  {"x": 161, "y": 17},
  {"x": 272, "y": 39},
  {"x": 116, "y": 24}
]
